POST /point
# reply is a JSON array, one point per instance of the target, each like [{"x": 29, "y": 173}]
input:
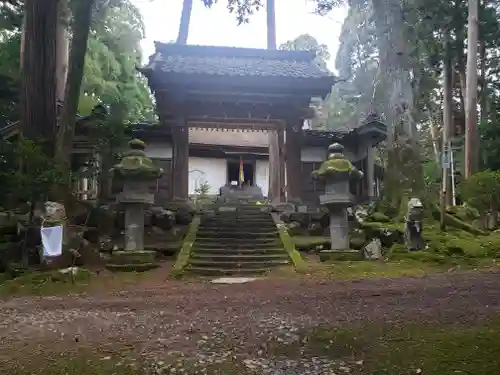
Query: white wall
[
  {"x": 310, "y": 154},
  {"x": 210, "y": 170},
  {"x": 262, "y": 175},
  {"x": 159, "y": 150}
]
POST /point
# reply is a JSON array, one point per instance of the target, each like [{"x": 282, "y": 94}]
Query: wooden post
[
  {"x": 281, "y": 163},
  {"x": 180, "y": 159},
  {"x": 293, "y": 160},
  {"x": 274, "y": 193}
]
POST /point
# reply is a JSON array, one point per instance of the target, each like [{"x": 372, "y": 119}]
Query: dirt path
[{"x": 176, "y": 316}]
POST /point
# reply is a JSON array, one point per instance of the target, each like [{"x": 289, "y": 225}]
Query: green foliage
[
  {"x": 28, "y": 173},
  {"x": 306, "y": 42},
  {"x": 113, "y": 54},
  {"x": 489, "y": 132},
  {"x": 482, "y": 190},
  {"x": 203, "y": 190}
]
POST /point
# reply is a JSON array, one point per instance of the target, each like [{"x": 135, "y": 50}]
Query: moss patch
[
  {"x": 289, "y": 245},
  {"x": 338, "y": 165},
  {"x": 378, "y": 217},
  {"x": 46, "y": 283},
  {"x": 185, "y": 251},
  {"x": 408, "y": 349},
  {"x": 307, "y": 243},
  {"x": 460, "y": 243}
]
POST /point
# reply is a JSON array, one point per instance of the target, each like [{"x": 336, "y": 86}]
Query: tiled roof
[
  {"x": 235, "y": 62},
  {"x": 228, "y": 138}
]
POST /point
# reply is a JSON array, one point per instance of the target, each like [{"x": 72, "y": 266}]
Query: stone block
[
  {"x": 340, "y": 255},
  {"x": 133, "y": 257}
]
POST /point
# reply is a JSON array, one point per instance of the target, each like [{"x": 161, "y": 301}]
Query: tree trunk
[
  {"x": 271, "y": 24},
  {"x": 471, "y": 138},
  {"x": 447, "y": 118},
  {"x": 433, "y": 129},
  {"x": 274, "y": 194},
  {"x": 182, "y": 37},
  {"x": 62, "y": 49},
  {"x": 38, "y": 78},
  {"x": 81, "y": 29},
  {"x": 483, "y": 98},
  {"x": 22, "y": 43}
]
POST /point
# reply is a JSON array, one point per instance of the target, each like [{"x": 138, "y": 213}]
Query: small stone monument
[
  {"x": 136, "y": 170},
  {"x": 413, "y": 225},
  {"x": 337, "y": 171}
]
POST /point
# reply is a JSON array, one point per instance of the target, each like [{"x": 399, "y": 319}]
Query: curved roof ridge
[{"x": 169, "y": 49}]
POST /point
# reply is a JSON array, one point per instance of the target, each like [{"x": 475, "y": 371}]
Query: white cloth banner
[{"x": 52, "y": 238}]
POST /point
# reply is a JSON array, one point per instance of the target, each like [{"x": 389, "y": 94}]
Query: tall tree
[
  {"x": 471, "y": 136},
  {"x": 81, "y": 28},
  {"x": 38, "y": 76},
  {"x": 275, "y": 173},
  {"x": 271, "y": 24},
  {"x": 187, "y": 7}
]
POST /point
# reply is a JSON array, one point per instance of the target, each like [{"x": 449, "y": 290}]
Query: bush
[{"x": 482, "y": 190}]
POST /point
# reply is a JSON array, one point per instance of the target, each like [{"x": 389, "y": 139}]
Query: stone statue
[
  {"x": 137, "y": 171},
  {"x": 413, "y": 225},
  {"x": 337, "y": 171}
]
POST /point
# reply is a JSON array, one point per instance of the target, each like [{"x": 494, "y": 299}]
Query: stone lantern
[
  {"x": 136, "y": 171},
  {"x": 337, "y": 171}
]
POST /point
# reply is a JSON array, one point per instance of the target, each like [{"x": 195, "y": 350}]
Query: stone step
[
  {"x": 237, "y": 218},
  {"x": 250, "y": 234},
  {"x": 257, "y": 240},
  {"x": 236, "y": 226},
  {"x": 235, "y": 257},
  {"x": 235, "y": 213},
  {"x": 215, "y": 271},
  {"x": 240, "y": 247},
  {"x": 236, "y": 264},
  {"x": 236, "y": 222}
]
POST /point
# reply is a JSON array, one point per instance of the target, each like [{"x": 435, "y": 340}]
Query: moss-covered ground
[
  {"x": 448, "y": 251},
  {"x": 428, "y": 349},
  {"x": 50, "y": 283}
]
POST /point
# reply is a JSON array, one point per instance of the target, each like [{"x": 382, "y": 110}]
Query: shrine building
[{"x": 217, "y": 107}]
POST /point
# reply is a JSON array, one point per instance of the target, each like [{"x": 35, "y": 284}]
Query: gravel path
[{"x": 199, "y": 319}]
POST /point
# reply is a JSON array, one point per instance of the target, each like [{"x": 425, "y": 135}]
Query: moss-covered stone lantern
[
  {"x": 136, "y": 171},
  {"x": 337, "y": 171}
]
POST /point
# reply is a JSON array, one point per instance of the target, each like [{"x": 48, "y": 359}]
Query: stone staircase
[{"x": 236, "y": 240}]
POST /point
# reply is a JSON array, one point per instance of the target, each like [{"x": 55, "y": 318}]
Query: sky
[{"x": 217, "y": 27}]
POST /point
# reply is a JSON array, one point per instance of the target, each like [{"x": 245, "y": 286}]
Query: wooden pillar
[
  {"x": 293, "y": 160},
  {"x": 281, "y": 163},
  {"x": 180, "y": 159},
  {"x": 274, "y": 194}
]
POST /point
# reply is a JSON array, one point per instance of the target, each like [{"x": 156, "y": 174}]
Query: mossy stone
[
  {"x": 133, "y": 257},
  {"x": 135, "y": 163},
  {"x": 131, "y": 267},
  {"x": 340, "y": 255},
  {"x": 378, "y": 217}
]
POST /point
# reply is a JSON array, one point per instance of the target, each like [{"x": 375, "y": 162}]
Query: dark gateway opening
[{"x": 233, "y": 171}]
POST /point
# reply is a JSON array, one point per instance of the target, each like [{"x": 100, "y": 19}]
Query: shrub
[{"x": 482, "y": 190}]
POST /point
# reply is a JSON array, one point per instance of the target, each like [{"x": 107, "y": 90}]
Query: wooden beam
[
  {"x": 238, "y": 126},
  {"x": 232, "y": 111},
  {"x": 264, "y": 97}
]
